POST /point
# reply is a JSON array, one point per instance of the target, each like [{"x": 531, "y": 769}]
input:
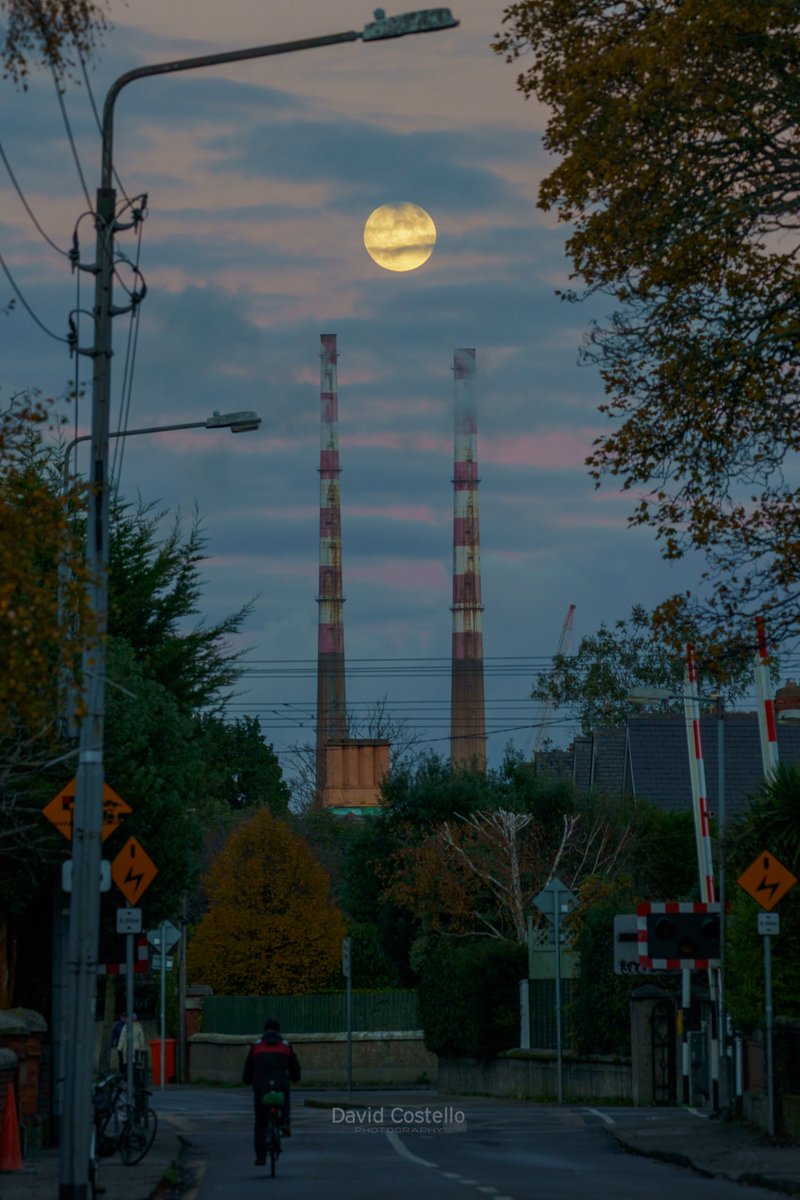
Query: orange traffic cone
[{"x": 10, "y": 1154}]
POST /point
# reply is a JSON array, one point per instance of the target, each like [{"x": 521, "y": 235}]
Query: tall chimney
[
  {"x": 467, "y": 718},
  {"x": 331, "y": 715}
]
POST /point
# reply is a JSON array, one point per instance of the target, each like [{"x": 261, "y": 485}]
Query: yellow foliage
[
  {"x": 40, "y": 638},
  {"x": 271, "y": 928}
]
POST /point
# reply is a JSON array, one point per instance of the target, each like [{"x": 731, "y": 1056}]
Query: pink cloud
[
  {"x": 420, "y": 513},
  {"x": 402, "y": 574},
  {"x": 554, "y": 449}
]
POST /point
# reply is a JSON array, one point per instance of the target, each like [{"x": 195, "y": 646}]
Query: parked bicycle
[
  {"x": 118, "y": 1125},
  {"x": 273, "y": 1102}
]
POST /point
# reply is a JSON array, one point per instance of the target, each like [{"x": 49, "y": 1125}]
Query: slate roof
[{"x": 657, "y": 760}]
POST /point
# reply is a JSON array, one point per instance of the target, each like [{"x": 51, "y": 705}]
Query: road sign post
[
  {"x": 163, "y": 939},
  {"x": 553, "y": 900},
  {"x": 768, "y": 881}
]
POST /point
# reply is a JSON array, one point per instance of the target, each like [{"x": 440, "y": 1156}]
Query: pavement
[
  {"x": 153, "y": 1177},
  {"x": 728, "y": 1150}
]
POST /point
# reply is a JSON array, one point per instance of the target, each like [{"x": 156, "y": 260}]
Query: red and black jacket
[{"x": 271, "y": 1059}]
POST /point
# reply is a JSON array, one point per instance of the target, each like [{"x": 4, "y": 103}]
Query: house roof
[{"x": 657, "y": 759}]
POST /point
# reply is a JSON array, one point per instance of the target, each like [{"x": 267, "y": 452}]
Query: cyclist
[{"x": 271, "y": 1065}]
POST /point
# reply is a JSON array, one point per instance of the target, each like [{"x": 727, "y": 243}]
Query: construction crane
[{"x": 545, "y": 714}]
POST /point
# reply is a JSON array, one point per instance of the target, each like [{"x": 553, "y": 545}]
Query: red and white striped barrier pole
[
  {"x": 707, "y": 886},
  {"x": 767, "y": 726},
  {"x": 708, "y": 892}
]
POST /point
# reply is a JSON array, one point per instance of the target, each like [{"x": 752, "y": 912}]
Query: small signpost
[
  {"x": 163, "y": 939},
  {"x": 768, "y": 881},
  {"x": 554, "y": 900}
]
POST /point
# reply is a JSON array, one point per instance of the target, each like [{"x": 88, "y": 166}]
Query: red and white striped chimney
[
  {"x": 467, "y": 717},
  {"x": 331, "y": 713}
]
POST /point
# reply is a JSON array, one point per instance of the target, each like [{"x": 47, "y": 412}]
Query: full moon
[{"x": 399, "y": 236}]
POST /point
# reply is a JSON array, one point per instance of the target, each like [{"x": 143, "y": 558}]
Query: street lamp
[
  {"x": 87, "y": 821},
  {"x": 237, "y": 422}
]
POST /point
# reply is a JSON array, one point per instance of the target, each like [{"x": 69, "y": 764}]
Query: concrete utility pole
[{"x": 88, "y": 814}]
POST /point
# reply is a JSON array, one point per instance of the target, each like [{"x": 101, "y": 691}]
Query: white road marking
[
  {"x": 603, "y": 1116},
  {"x": 396, "y": 1144},
  {"x": 696, "y": 1113}
]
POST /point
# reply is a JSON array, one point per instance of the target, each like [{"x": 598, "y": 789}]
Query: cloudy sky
[{"x": 260, "y": 177}]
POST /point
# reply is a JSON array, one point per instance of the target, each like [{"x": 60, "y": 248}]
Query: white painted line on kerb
[
  {"x": 603, "y": 1116},
  {"x": 396, "y": 1144}
]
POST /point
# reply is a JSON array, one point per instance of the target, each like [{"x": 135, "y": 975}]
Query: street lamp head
[
  {"x": 648, "y": 695},
  {"x": 424, "y": 21},
  {"x": 237, "y": 422}
]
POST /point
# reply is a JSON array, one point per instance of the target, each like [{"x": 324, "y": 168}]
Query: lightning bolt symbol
[
  {"x": 132, "y": 876},
  {"x": 767, "y": 887}
]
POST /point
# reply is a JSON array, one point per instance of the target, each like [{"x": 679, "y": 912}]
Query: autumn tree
[
  {"x": 41, "y": 626},
  {"x": 676, "y": 127},
  {"x": 48, "y": 32},
  {"x": 479, "y": 874},
  {"x": 271, "y": 927}
]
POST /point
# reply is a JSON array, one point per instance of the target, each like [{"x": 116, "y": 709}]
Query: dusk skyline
[{"x": 260, "y": 178}]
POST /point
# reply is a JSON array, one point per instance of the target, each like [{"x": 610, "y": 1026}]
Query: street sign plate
[
  {"x": 156, "y": 961},
  {"x": 133, "y": 870},
  {"x": 554, "y": 893},
  {"x": 769, "y": 924},
  {"x": 105, "y": 875},
  {"x": 170, "y": 934},
  {"x": 61, "y": 807},
  {"x": 767, "y": 880},
  {"x": 129, "y": 920}
]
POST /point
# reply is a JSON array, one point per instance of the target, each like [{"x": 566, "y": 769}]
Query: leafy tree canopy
[
  {"x": 242, "y": 769},
  {"x": 594, "y": 683},
  {"x": 675, "y": 123},
  {"x": 271, "y": 927}
]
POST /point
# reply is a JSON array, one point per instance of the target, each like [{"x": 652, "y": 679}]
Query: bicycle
[
  {"x": 273, "y": 1102},
  {"x": 118, "y": 1126}
]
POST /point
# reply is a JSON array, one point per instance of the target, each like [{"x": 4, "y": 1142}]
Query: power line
[
  {"x": 70, "y": 138},
  {"x": 27, "y": 306},
  {"x": 27, "y": 206}
]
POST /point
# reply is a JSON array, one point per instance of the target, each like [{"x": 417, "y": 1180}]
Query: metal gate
[{"x": 662, "y": 1041}]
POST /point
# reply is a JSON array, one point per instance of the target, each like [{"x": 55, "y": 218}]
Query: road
[{"x": 420, "y": 1146}]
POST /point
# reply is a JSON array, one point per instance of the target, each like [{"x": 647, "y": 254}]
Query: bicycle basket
[
  {"x": 270, "y": 1098},
  {"x": 102, "y": 1097}
]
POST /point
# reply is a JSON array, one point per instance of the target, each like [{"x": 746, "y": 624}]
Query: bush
[{"x": 469, "y": 997}]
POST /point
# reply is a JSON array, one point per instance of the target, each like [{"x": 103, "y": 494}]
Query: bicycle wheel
[
  {"x": 93, "y": 1164},
  {"x": 137, "y": 1137},
  {"x": 274, "y": 1145}
]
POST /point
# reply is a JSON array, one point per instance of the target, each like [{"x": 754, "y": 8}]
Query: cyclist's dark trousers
[{"x": 261, "y": 1113}]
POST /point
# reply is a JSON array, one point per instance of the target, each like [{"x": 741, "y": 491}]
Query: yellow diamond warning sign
[
  {"x": 767, "y": 880},
  {"x": 133, "y": 870},
  {"x": 61, "y": 807}
]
